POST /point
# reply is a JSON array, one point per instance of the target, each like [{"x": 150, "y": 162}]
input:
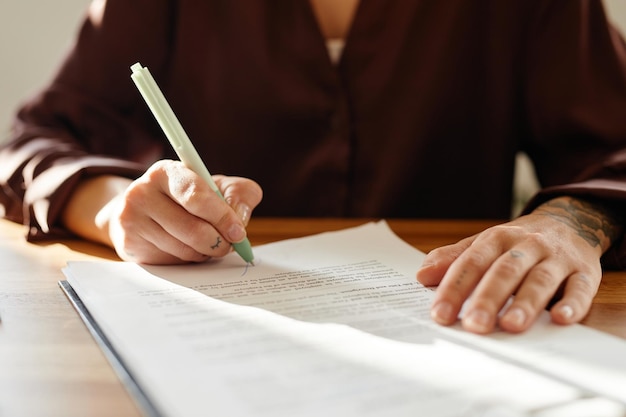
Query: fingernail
[
  {"x": 243, "y": 211},
  {"x": 477, "y": 320},
  {"x": 442, "y": 313},
  {"x": 236, "y": 233},
  {"x": 516, "y": 317},
  {"x": 566, "y": 311}
]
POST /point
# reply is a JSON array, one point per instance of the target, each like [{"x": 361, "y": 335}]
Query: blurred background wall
[{"x": 34, "y": 35}]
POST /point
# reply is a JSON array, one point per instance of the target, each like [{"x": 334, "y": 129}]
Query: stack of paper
[{"x": 331, "y": 325}]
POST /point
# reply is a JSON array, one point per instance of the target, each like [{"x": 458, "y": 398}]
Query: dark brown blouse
[{"x": 422, "y": 117}]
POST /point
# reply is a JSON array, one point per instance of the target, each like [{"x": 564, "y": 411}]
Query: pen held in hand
[{"x": 177, "y": 136}]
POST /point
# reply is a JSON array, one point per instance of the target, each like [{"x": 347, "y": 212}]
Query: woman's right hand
[{"x": 169, "y": 215}]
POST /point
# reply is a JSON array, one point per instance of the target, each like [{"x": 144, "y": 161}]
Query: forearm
[{"x": 87, "y": 211}]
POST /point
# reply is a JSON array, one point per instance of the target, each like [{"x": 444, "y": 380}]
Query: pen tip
[{"x": 251, "y": 263}]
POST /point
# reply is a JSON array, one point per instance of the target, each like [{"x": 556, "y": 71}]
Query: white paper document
[{"x": 334, "y": 325}]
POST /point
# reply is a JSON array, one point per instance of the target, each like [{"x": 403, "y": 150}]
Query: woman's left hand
[{"x": 553, "y": 251}]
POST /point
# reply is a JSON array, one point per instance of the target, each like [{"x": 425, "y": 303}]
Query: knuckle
[
  {"x": 136, "y": 193},
  {"x": 537, "y": 240},
  {"x": 474, "y": 259},
  {"x": 226, "y": 217},
  {"x": 186, "y": 191},
  {"x": 177, "y": 180},
  {"x": 543, "y": 277},
  {"x": 508, "y": 268},
  {"x": 161, "y": 165},
  {"x": 500, "y": 232},
  {"x": 157, "y": 170},
  {"x": 126, "y": 220},
  {"x": 587, "y": 283}
]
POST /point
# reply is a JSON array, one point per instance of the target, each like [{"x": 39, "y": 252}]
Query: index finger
[
  {"x": 192, "y": 193},
  {"x": 461, "y": 278}
]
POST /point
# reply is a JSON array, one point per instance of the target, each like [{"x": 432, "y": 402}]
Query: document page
[{"x": 334, "y": 324}]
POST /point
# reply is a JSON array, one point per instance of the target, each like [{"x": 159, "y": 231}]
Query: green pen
[{"x": 181, "y": 143}]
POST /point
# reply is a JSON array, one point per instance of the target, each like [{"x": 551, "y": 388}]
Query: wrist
[
  {"x": 599, "y": 222},
  {"x": 89, "y": 209}
]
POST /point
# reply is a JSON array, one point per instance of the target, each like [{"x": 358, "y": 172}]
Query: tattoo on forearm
[
  {"x": 597, "y": 224},
  {"x": 217, "y": 243}
]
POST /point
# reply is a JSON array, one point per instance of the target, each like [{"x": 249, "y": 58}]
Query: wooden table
[{"x": 51, "y": 366}]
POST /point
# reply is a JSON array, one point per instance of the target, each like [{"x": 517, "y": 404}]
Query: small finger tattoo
[
  {"x": 516, "y": 253},
  {"x": 459, "y": 279},
  {"x": 217, "y": 243},
  {"x": 584, "y": 278}
]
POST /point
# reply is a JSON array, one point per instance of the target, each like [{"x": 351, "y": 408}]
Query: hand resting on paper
[
  {"x": 169, "y": 215},
  {"x": 551, "y": 255}
]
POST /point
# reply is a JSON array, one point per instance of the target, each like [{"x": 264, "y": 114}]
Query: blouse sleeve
[
  {"x": 90, "y": 119},
  {"x": 576, "y": 101}
]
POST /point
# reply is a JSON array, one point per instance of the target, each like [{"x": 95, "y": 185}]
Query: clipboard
[{"x": 143, "y": 401}]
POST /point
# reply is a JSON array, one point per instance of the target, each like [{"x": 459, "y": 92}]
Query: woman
[{"x": 344, "y": 108}]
